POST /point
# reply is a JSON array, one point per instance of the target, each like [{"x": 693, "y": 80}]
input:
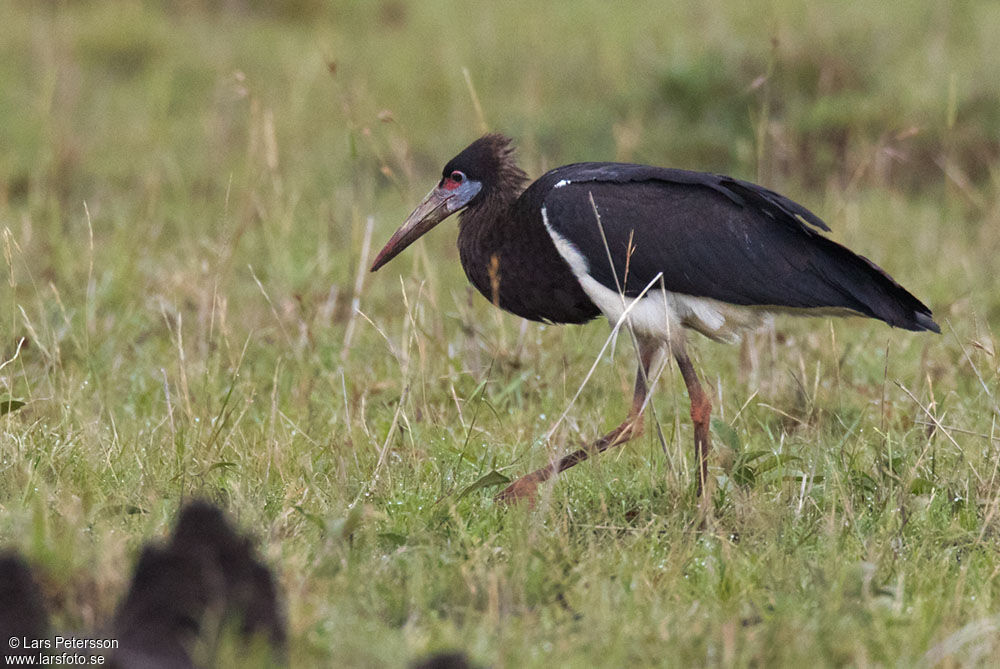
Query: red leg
[
  {"x": 525, "y": 488},
  {"x": 701, "y": 413}
]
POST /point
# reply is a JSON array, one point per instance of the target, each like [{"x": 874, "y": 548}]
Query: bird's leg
[
  {"x": 526, "y": 486},
  {"x": 701, "y": 412}
]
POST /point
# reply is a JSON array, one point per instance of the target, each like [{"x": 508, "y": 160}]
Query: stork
[{"x": 660, "y": 250}]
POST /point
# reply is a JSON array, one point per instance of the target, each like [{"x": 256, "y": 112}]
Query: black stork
[{"x": 667, "y": 249}]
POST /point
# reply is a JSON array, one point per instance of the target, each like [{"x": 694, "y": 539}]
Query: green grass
[{"x": 184, "y": 195}]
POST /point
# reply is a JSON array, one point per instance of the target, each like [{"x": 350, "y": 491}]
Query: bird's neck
[
  {"x": 487, "y": 213},
  {"x": 497, "y": 199},
  {"x": 488, "y": 233},
  {"x": 509, "y": 257}
]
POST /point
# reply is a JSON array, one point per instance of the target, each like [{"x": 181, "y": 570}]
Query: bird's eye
[{"x": 457, "y": 176}]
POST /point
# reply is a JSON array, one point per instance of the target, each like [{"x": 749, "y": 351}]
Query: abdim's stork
[{"x": 667, "y": 249}]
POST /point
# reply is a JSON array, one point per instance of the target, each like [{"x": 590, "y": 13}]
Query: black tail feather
[{"x": 869, "y": 290}]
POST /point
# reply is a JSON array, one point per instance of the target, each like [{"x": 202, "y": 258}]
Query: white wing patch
[{"x": 563, "y": 182}]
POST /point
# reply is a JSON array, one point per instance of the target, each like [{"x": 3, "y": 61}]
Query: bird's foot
[{"x": 524, "y": 489}]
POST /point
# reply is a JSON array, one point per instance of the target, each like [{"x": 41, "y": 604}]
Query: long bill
[{"x": 428, "y": 213}]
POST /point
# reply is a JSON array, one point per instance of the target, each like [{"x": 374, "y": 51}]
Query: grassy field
[{"x": 190, "y": 192}]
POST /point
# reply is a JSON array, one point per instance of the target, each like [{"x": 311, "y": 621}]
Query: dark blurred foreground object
[
  {"x": 206, "y": 578},
  {"x": 22, "y": 610},
  {"x": 661, "y": 250},
  {"x": 450, "y": 660},
  {"x": 185, "y": 594}
]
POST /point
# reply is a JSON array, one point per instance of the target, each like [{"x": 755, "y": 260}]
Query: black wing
[{"x": 713, "y": 236}]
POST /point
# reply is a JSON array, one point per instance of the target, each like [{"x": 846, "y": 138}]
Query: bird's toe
[{"x": 525, "y": 489}]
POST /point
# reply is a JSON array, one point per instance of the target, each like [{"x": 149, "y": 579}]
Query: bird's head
[{"x": 484, "y": 166}]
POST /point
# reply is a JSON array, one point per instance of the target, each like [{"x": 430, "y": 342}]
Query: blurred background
[
  {"x": 338, "y": 102},
  {"x": 316, "y": 114},
  {"x": 322, "y": 112},
  {"x": 191, "y": 190}
]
